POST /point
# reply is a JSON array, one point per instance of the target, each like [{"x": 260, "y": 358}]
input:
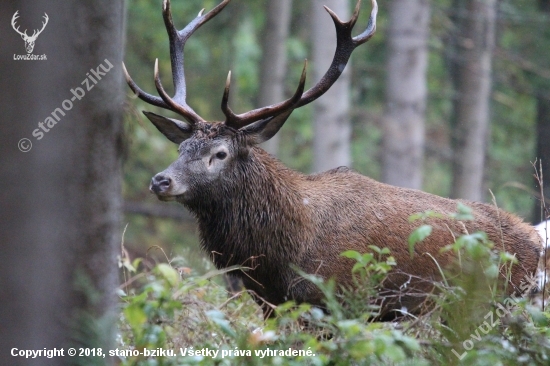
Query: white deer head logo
[{"x": 29, "y": 40}]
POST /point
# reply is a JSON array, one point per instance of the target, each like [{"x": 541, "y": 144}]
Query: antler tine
[
  {"x": 345, "y": 46},
  {"x": 177, "y": 41},
  {"x": 355, "y": 14},
  {"x": 241, "y": 120},
  {"x": 183, "y": 110},
  {"x": 229, "y": 115},
  {"x": 146, "y": 97},
  {"x": 371, "y": 26}
]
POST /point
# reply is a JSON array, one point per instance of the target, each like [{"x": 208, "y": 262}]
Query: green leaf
[
  {"x": 492, "y": 271},
  {"x": 352, "y": 254},
  {"x": 135, "y": 315},
  {"x": 356, "y": 267},
  {"x": 425, "y": 215},
  {"x": 136, "y": 262},
  {"x": 508, "y": 258},
  {"x": 218, "y": 317},
  {"x": 169, "y": 273},
  {"x": 464, "y": 212},
  {"x": 215, "y": 314},
  {"x": 366, "y": 258},
  {"x": 376, "y": 249},
  {"x": 417, "y": 236}
]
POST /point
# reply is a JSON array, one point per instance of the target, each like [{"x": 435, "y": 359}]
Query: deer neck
[{"x": 258, "y": 214}]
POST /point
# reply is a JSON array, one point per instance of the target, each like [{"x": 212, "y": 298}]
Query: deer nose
[{"x": 160, "y": 184}]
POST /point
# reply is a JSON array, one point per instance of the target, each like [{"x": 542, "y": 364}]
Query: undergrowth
[{"x": 469, "y": 319}]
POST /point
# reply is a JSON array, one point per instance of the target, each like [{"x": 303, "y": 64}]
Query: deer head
[
  {"x": 29, "y": 40},
  {"x": 210, "y": 150}
]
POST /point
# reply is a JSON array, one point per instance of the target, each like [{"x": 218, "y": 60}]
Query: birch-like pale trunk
[
  {"x": 406, "y": 93},
  {"x": 543, "y": 136},
  {"x": 273, "y": 67},
  {"x": 472, "y": 59},
  {"x": 331, "y": 120}
]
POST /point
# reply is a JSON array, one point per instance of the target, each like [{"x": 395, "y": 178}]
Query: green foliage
[
  {"x": 417, "y": 236},
  {"x": 298, "y": 334},
  {"x": 463, "y": 213},
  {"x": 149, "y": 315},
  {"x": 481, "y": 322},
  {"x": 369, "y": 271},
  {"x": 472, "y": 320}
]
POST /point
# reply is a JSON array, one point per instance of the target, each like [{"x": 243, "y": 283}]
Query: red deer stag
[{"x": 254, "y": 211}]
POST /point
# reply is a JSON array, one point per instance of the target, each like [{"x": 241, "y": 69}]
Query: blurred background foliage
[{"x": 232, "y": 41}]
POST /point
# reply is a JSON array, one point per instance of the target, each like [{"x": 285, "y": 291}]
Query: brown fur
[{"x": 266, "y": 216}]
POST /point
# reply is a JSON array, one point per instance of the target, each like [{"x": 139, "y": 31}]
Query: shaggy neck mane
[{"x": 258, "y": 205}]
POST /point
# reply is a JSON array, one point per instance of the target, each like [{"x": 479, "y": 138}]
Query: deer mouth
[{"x": 168, "y": 197}]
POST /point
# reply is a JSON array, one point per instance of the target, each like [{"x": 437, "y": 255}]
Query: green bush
[{"x": 471, "y": 320}]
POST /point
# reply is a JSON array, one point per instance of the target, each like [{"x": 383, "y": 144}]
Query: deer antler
[
  {"x": 46, "y": 18},
  {"x": 36, "y": 32},
  {"x": 233, "y": 120},
  {"x": 344, "y": 47},
  {"x": 177, "y": 41},
  {"x": 13, "y": 19}
]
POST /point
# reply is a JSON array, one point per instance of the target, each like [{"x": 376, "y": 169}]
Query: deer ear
[
  {"x": 265, "y": 129},
  {"x": 175, "y": 130}
]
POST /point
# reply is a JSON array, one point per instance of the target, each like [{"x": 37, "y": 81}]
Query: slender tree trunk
[
  {"x": 475, "y": 38},
  {"x": 60, "y": 200},
  {"x": 273, "y": 64},
  {"x": 403, "y": 140},
  {"x": 332, "y": 127},
  {"x": 543, "y": 151},
  {"x": 543, "y": 134}
]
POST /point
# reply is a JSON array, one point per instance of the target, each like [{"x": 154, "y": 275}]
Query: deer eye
[{"x": 221, "y": 155}]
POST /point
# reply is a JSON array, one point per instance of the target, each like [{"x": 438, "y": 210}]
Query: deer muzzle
[{"x": 160, "y": 185}]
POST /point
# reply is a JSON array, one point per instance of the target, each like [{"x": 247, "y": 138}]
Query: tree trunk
[
  {"x": 543, "y": 151},
  {"x": 403, "y": 139},
  {"x": 331, "y": 126},
  {"x": 474, "y": 39},
  {"x": 60, "y": 200},
  {"x": 273, "y": 64},
  {"x": 543, "y": 135}
]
